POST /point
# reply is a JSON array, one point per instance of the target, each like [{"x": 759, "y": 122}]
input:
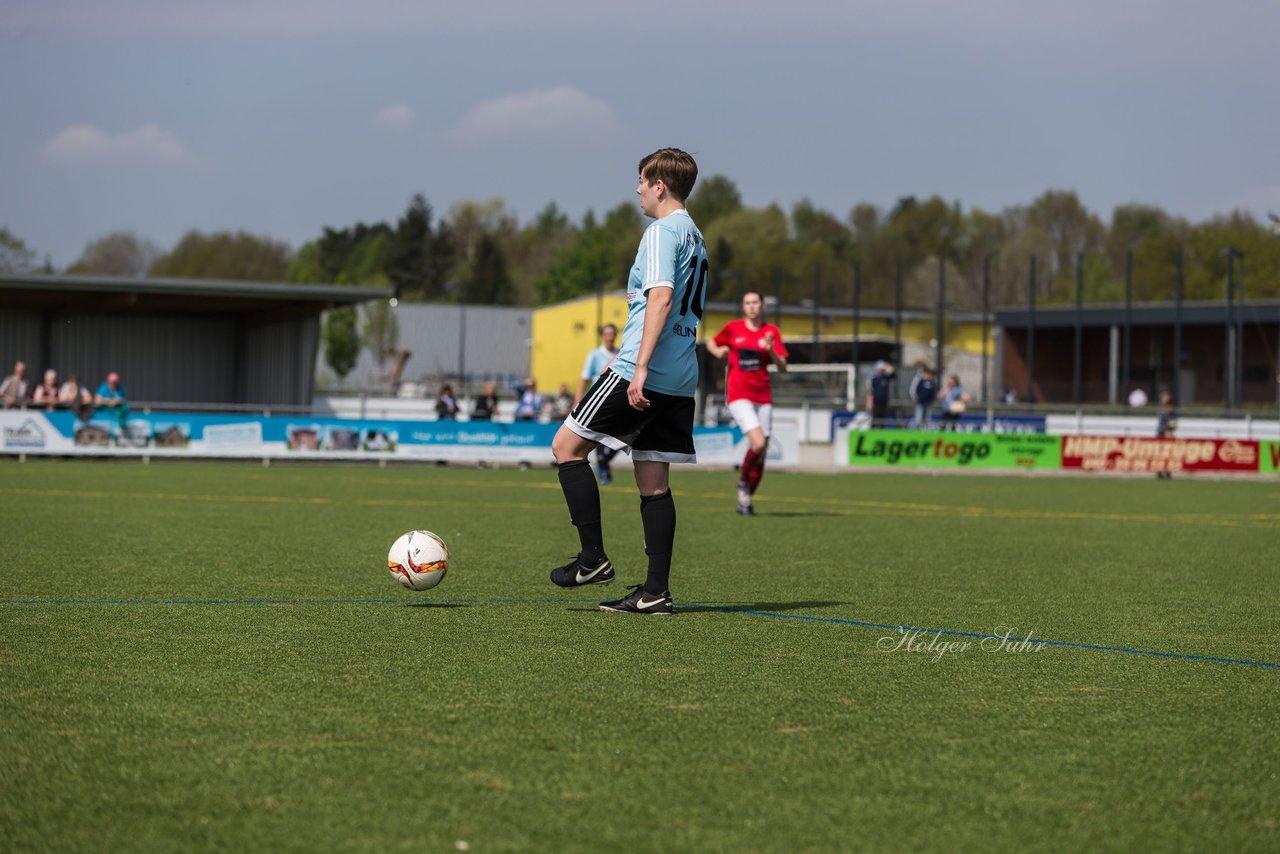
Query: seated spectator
[
  {"x": 46, "y": 394},
  {"x": 74, "y": 396},
  {"x": 562, "y": 404},
  {"x": 530, "y": 405},
  {"x": 486, "y": 405},
  {"x": 112, "y": 398},
  {"x": 446, "y": 406},
  {"x": 13, "y": 391}
]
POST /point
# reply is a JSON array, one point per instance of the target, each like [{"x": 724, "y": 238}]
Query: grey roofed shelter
[
  {"x": 1200, "y": 370},
  {"x": 191, "y": 341}
]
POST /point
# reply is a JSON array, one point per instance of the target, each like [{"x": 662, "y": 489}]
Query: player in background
[
  {"x": 645, "y": 399},
  {"x": 597, "y": 360},
  {"x": 751, "y": 347}
]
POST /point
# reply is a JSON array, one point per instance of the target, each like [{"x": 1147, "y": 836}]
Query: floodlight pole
[
  {"x": 1126, "y": 369},
  {"x": 1228, "y": 368},
  {"x": 817, "y": 303},
  {"x": 1031, "y": 331},
  {"x": 857, "y": 305},
  {"x": 1177, "y": 330},
  {"x": 939, "y": 330},
  {"x": 986, "y": 311},
  {"x": 1076, "y": 395}
]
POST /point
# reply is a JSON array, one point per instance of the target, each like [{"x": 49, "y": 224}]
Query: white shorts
[{"x": 751, "y": 415}]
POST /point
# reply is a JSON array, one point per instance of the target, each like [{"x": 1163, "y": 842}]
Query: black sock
[
  {"x": 658, "y": 515},
  {"x": 583, "y": 497}
]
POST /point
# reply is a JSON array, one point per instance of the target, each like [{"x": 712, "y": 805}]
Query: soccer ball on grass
[{"x": 418, "y": 560}]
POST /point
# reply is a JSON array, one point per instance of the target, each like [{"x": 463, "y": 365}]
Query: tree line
[{"x": 479, "y": 253}]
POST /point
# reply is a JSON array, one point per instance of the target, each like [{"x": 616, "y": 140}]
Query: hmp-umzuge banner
[{"x": 1147, "y": 454}]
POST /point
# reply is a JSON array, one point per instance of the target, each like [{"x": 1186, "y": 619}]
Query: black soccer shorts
[{"x": 662, "y": 433}]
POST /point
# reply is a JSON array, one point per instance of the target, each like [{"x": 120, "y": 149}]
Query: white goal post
[{"x": 832, "y": 381}]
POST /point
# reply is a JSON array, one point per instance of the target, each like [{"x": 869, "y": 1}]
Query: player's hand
[
  {"x": 766, "y": 343},
  {"x": 635, "y": 391}
]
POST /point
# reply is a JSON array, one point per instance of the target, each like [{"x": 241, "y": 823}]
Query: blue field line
[
  {"x": 953, "y": 633},
  {"x": 391, "y": 601},
  {"x": 728, "y": 609}
]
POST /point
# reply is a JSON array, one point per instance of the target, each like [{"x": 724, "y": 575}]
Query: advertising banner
[
  {"x": 945, "y": 449},
  {"x": 161, "y": 434},
  {"x": 1270, "y": 458},
  {"x": 1148, "y": 454},
  {"x": 969, "y": 422}
]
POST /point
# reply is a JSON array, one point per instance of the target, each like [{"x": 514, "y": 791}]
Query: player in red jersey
[{"x": 751, "y": 346}]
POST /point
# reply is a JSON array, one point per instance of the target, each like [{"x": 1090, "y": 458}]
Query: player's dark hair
[
  {"x": 673, "y": 167},
  {"x": 612, "y": 326},
  {"x": 750, "y": 291}
]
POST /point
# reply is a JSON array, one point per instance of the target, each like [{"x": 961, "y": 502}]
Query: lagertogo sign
[
  {"x": 917, "y": 449},
  {"x": 1141, "y": 454}
]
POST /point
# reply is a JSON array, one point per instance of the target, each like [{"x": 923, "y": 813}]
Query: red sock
[
  {"x": 757, "y": 472},
  {"x": 748, "y": 466}
]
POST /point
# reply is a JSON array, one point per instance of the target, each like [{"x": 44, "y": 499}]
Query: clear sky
[{"x": 280, "y": 117}]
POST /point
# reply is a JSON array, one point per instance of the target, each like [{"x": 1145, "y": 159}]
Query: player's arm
[
  {"x": 771, "y": 345},
  {"x": 719, "y": 346},
  {"x": 777, "y": 353},
  {"x": 657, "y": 309}
]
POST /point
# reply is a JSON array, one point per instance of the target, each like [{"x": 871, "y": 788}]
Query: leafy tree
[
  {"x": 811, "y": 225},
  {"x": 15, "y": 256},
  {"x": 419, "y": 257},
  {"x": 757, "y": 243},
  {"x": 1065, "y": 229},
  {"x": 713, "y": 197},
  {"x": 381, "y": 333},
  {"x": 599, "y": 252},
  {"x": 341, "y": 343},
  {"x": 223, "y": 255},
  {"x": 487, "y": 281},
  {"x": 530, "y": 250},
  {"x": 120, "y": 253}
]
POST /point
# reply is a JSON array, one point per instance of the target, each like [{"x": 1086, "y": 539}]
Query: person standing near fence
[
  {"x": 597, "y": 360},
  {"x": 954, "y": 402},
  {"x": 751, "y": 347},
  {"x": 923, "y": 392},
  {"x": 1166, "y": 424},
  {"x": 879, "y": 386}
]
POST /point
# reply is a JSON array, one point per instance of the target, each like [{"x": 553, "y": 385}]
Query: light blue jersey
[
  {"x": 672, "y": 254},
  {"x": 596, "y": 360}
]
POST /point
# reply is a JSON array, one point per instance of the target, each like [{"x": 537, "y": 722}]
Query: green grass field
[{"x": 210, "y": 656}]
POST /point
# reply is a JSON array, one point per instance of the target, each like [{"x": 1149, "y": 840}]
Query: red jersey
[{"x": 748, "y": 361}]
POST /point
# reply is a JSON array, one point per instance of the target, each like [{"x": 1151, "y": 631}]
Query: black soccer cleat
[
  {"x": 746, "y": 510},
  {"x": 640, "y": 602},
  {"x": 576, "y": 574}
]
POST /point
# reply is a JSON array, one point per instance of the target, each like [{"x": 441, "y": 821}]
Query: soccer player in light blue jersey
[{"x": 644, "y": 401}]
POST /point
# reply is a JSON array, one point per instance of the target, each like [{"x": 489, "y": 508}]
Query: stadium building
[
  {"x": 173, "y": 341},
  {"x": 1214, "y": 353}
]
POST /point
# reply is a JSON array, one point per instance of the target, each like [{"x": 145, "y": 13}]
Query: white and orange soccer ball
[{"x": 418, "y": 560}]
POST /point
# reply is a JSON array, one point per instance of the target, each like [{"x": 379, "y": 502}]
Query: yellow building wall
[{"x": 564, "y": 333}]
